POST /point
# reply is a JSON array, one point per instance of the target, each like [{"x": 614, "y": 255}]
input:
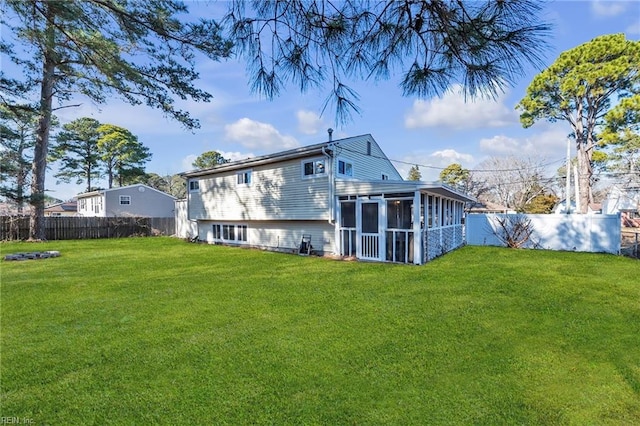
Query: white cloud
[
  {"x": 187, "y": 162},
  {"x": 449, "y": 156},
  {"x": 256, "y": 135},
  {"x": 452, "y": 111},
  {"x": 431, "y": 165},
  {"x": 500, "y": 145},
  {"x": 550, "y": 142},
  {"x": 309, "y": 122},
  {"x": 235, "y": 155},
  {"x": 607, "y": 9},
  {"x": 633, "y": 28}
]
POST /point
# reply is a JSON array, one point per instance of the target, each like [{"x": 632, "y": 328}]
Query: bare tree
[
  {"x": 512, "y": 182},
  {"x": 513, "y": 230}
]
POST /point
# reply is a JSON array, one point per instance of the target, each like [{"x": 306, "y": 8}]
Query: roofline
[
  {"x": 416, "y": 186},
  {"x": 117, "y": 188},
  {"x": 290, "y": 154}
]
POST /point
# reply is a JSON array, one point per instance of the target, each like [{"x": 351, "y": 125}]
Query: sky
[{"x": 431, "y": 133}]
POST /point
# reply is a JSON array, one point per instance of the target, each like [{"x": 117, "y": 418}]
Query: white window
[
  {"x": 243, "y": 177},
  {"x": 345, "y": 168},
  {"x": 230, "y": 233},
  {"x": 125, "y": 200},
  {"x": 313, "y": 168},
  {"x": 194, "y": 185},
  {"x": 82, "y": 204},
  {"x": 242, "y": 232}
]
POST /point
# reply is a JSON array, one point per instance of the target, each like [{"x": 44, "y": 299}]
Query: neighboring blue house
[{"x": 134, "y": 200}]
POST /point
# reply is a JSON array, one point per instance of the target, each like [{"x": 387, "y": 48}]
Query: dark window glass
[
  {"x": 399, "y": 214},
  {"x": 308, "y": 169},
  {"x": 348, "y": 213},
  {"x": 370, "y": 218}
]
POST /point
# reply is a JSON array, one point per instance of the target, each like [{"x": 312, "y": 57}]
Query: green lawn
[{"x": 156, "y": 330}]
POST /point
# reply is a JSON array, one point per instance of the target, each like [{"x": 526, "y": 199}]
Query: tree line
[{"x": 86, "y": 152}]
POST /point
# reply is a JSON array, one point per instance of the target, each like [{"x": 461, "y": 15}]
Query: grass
[{"x": 155, "y": 330}]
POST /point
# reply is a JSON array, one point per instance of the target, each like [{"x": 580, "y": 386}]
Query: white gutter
[{"x": 332, "y": 184}]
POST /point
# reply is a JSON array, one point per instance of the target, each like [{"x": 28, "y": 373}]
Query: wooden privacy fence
[{"x": 73, "y": 228}]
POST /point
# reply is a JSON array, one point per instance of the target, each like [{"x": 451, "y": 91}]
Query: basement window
[{"x": 230, "y": 233}]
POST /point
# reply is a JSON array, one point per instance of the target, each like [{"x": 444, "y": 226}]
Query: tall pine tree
[{"x": 140, "y": 51}]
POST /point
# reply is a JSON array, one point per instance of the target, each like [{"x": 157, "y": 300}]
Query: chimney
[{"x": 330, "y": 131}]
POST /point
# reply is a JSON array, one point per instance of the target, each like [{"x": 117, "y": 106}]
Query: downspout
[
  {"x": 331, "y": 180},
  {"x": 189, "y": 220}
]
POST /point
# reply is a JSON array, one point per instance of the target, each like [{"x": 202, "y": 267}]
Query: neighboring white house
[
  {"x": 626, "y": 202},
  {"x": 343, "y": 195},
  {"x": 622, "y": 200},
  {"x": 134, "y": 200},
  {"x": 561, "y": 208}
]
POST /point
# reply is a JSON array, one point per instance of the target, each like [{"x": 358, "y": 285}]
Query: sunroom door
[{"x": 369, "y": 235}]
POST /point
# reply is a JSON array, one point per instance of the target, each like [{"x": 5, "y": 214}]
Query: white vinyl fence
[{"x": 572, "y": 232}]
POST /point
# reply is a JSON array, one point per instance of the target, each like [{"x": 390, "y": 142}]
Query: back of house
[
  {"x": 272, "y": 201},
  {"x": 342, "y": 197}
]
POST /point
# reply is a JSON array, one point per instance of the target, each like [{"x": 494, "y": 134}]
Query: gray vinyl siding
[
  {"x": 365, "y": 166},
  {"x": 278, "y": 235},
  {"x": 276, "y": 192},
  {"x": 148, "y": 203}
]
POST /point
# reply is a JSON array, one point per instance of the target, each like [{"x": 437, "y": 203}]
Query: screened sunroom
[{"x": 407, "y": 222}]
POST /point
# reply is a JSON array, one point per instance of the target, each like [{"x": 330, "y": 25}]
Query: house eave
[
  {"x": 302, "y": 152},
  {"x": 258, "y": 161},
  {"x": 360, "y": 187},
  {"x": 120, "y": 188}
]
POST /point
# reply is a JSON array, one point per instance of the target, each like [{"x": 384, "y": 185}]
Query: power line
[{"x": 426, "y": 166}]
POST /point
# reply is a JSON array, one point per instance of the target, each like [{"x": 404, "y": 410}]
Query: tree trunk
[
  {"x": 20, "y": 177},
  {"x": 41, "y": 148},
  {"x": 89, "y": 178},
  {"x": 584, "y": 179},
  {"x": 584, "y": 150},
  {"x": 110, "y": 174}
]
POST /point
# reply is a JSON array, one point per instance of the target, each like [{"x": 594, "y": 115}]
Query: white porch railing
[{"x": 370, "y": 246}]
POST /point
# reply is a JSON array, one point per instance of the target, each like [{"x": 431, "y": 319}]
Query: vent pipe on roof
[{"x": 330, "y": 131}]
